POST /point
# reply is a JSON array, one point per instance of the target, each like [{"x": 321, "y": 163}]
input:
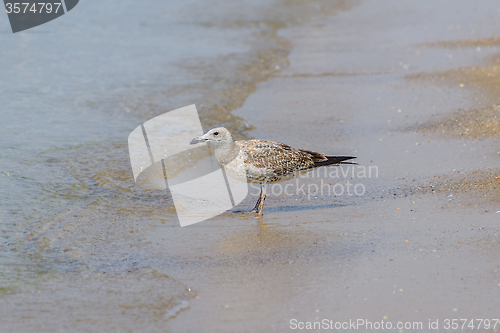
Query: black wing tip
[
  {"x": 346, "y": 157},
  {"x": 332, "y": 160}
]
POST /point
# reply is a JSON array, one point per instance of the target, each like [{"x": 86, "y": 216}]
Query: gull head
[{"x": 217, "y": 136}]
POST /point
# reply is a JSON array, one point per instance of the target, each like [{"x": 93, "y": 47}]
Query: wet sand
[
  {"x": 363, "y": 83},
  {"x": 381, "y": 81}
]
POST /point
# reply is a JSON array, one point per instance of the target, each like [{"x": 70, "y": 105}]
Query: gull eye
[{"x": 216, "y": 133}]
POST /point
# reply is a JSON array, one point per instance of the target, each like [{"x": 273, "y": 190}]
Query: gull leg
[
  {"x": 262, "y": 199},
  {"x": 256, "y": 205},
  {"x": 255, "y": 209}
]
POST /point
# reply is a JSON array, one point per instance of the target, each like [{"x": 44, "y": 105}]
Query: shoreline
[
  {"x": 363, "y": 81},
  {"x": 396, "y": 253}
]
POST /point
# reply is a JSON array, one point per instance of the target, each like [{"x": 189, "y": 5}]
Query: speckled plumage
[
  {"x": 263, "y": 162},
  {"x": 270, "y": 162}
]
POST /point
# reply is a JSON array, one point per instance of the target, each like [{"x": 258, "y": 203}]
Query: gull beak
[{"x": 199, "y": 139}]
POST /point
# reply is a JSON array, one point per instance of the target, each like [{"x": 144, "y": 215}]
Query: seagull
[{"x": 263, "y": 162}]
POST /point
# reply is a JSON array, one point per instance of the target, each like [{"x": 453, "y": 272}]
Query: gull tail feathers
[
  {"x": 335, "y": 160},
  {"x": 320, "y": 159}
]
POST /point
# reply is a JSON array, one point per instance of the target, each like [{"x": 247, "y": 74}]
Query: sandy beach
[{"x": 409, "y": 87}]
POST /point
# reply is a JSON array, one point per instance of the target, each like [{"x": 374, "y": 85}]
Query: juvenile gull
[{"x": 263, "y": 162}]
